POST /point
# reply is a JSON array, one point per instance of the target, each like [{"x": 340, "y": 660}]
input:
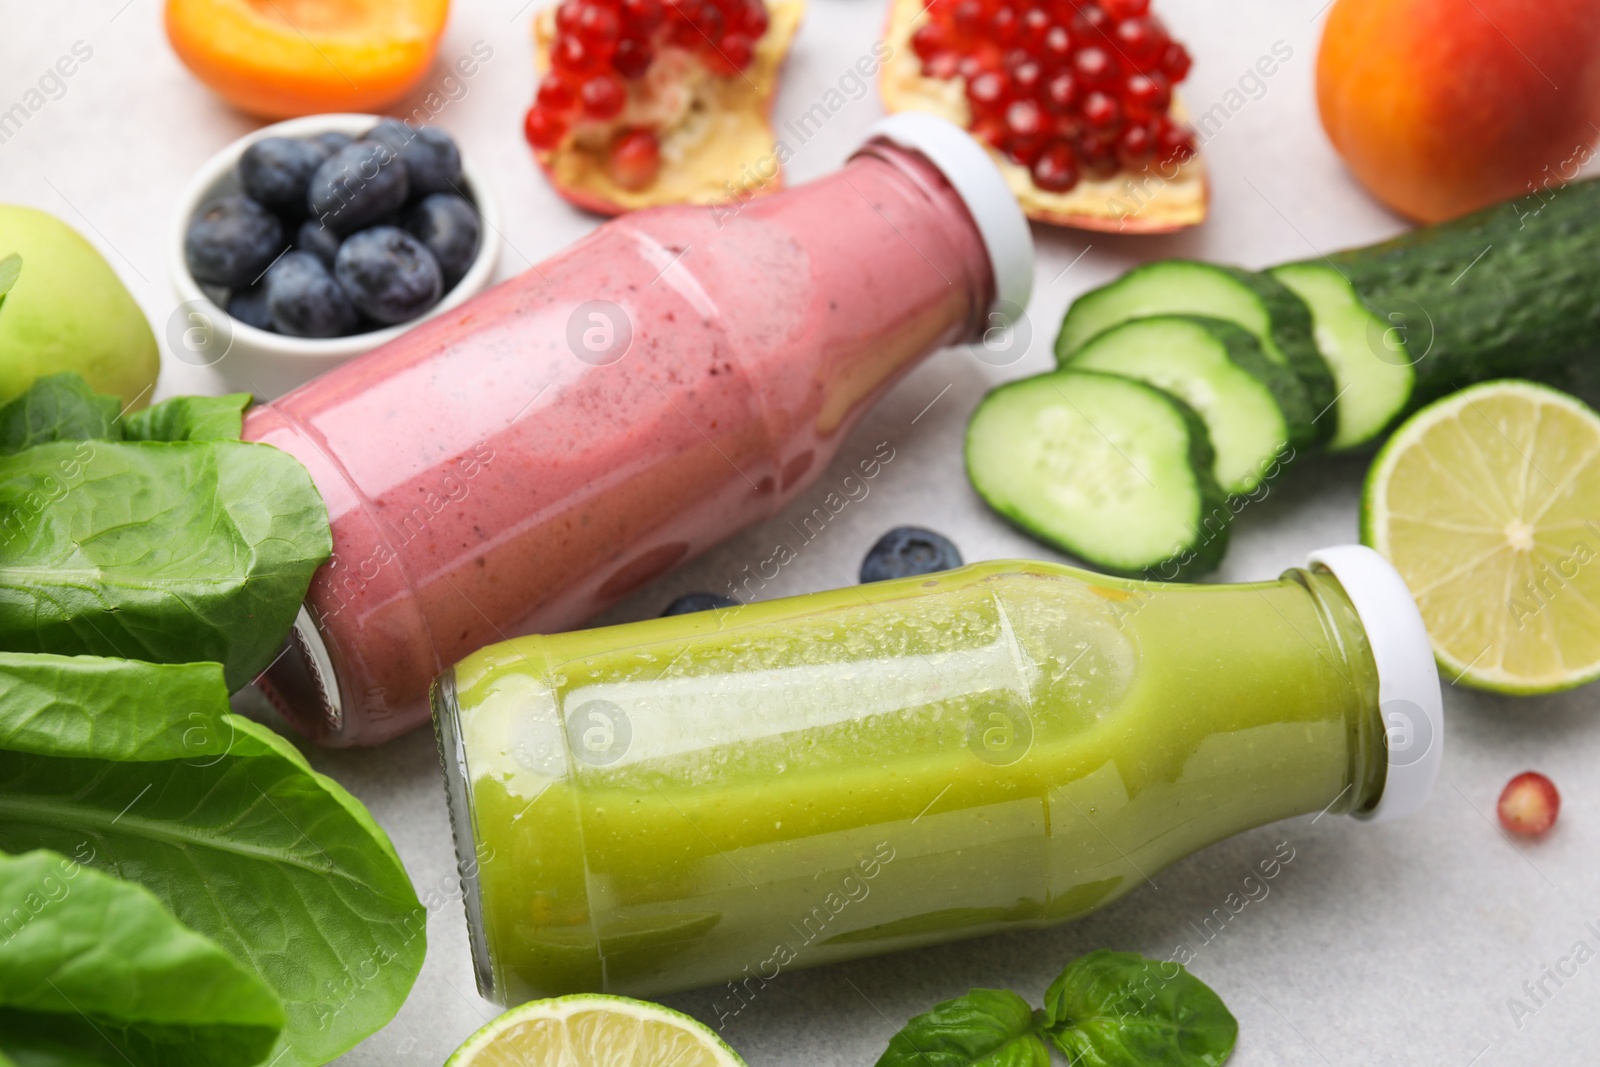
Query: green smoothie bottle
[{"x": 721, "y": 797}]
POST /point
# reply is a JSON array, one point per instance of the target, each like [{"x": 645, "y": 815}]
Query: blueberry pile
[{"x": 333, "y": 235}]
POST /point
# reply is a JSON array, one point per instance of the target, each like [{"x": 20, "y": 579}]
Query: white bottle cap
[
  {"x": 1409, "y": 699},
  {"x": 979, "y": 183}
]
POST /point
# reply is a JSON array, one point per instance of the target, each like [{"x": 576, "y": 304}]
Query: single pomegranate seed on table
[
  {"x": 1529, "y": 804},
  {"x": 635, "y": 159},
  {"x": 543, "y": 129}
]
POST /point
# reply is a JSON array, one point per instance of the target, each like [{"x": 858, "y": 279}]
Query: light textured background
[{"x": 1395, "y": 944}]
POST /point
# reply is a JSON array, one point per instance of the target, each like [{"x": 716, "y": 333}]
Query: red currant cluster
[
  {"x": 601, "y": 44},
  {"x": 1066, "y": 88}
]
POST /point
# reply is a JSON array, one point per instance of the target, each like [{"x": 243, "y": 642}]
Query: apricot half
[
  {"x": 1441, "y": 107},
  {"x": 681, "y": 130},
  {"x": 1136, "y": 194},
  {"x": 284, "y": 58}
]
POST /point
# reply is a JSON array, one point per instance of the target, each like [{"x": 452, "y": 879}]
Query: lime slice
[
  {"x": 1488, "y": 503},
  {"x": 592, "y": 1030}
]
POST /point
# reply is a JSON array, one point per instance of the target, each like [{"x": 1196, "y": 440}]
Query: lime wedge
[
  {"x": 592, "y": 1030},
  {"x": 1488, "y": 503}
]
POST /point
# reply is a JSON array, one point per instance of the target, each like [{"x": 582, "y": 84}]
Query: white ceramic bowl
[{"x": 270, "y": 364}]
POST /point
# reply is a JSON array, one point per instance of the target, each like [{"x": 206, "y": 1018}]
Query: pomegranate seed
[
  {"x": 1025, "y": 78},
  {"x": 731, "y": 55},
  {"x": 1137, "y": 39},
  {"x": 986, "y": 92},
  {"x": 1125, "y": 9},
  {"x": 967, "y": 19},
  {"x": 635, "y": 160},
  {"x": 1148, "y": 94},
  {"x": 710, "y": 22},
  {"x": 1097, "y": 155},
  {"x": 602, "y": 97},
  {"x": 598, "y": 27},
  {"x": 753, "y": 19},
  {"x": 572, "y": 56},
  {"x": 1056, "y": 49},
  {"x": 1024, "y": 119},
  {"x": 1094, "y": 66},
  {"x": 1025, "y": 150},
  {"x": 990, "y": 130},
  {"x": 1091, "y": 19},
  {"x": 1035, "y": 25},
  {"x": 542, "y": 129},
  {"x": 1003, "y": 26},
  {"x": 1056, "y": 171},
  {"x": 1101, "y": 111},
  {"x": 928, "y": 41},
  {"x": 641, "y": 16},
  {"x": 1529, "y": 804},
  {"x": 555, "y": 95},
  {"x": 1175, "y": 62},
  {"x": 567, "y": 15},
  {"x": 970, "y": 67},
  {"x": 1060, "y": 92},
  {"x": 1135, "y": 145},
  {"x": 1174, "y": 144},
  {"x": 632, "y": 58}
]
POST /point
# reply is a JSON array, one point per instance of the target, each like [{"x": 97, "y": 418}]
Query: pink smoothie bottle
[{"x": 522, "y": 462}]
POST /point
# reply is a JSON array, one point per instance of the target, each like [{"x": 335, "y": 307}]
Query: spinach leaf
[
  {"x": 87, "y": 706},
  {"x": 165, "y": 552},
  {"x": 985, "y": 1028},
  {"x": 57, "y": 407},
  {"x": 245, "y": 844},
  {"x": 91, "y": 957},
  {"x": 189, "y": 418},
  {"x": 1118, "y": 1009},
  {"x": 10, "y": 268}
]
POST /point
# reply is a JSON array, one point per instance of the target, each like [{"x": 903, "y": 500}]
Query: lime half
[
  {"x": 592, "y": 1030},
  {"x": 1488, "y": 503}
]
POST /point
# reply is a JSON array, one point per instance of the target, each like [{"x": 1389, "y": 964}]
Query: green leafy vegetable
[
  {"x": 1118, "y": 1009},
  {"x": 198, "y": 550},
  {"x": 985, "y": 1028},
  {"x": 95, "y": 965},
  {"x": 189, "y": 418},
  {"x": 243, "y": 842},
  {"x": 1107, "y": 1009},
  {"x": 10, "y": 268},
  {"x": 57, "y": 407}
]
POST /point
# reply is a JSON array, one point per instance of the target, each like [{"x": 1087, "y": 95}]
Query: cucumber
[
  {"x": 1509, "y": 291},
  {"x": 1257, "y": 302},
  {"x": 1254, "y": 410},
  {"x": 1371, "y": 369},
  {"x": 1109, "y": 469}
]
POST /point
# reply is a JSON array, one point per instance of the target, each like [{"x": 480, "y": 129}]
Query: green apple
[{"x": 68, "y": 311}]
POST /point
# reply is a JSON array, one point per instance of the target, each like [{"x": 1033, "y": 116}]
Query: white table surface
[{"x": 1377, "y": 944}]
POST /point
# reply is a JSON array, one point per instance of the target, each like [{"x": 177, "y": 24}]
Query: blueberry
[
  {"x": 358, "y": 185},
  {"x": 432, "y": 160},
  {"x": 320, "y": 241},
  {"x": 448, "y": 225},
  {"x": 230, "y": 241},
  {"x": 249, "y": 306},
  {"x": 388, "y": 273},
  {"x": 689, "y": 603},
  {"x": 334, "y": 141},
  {"x": 276, "y": 172},
  {"x": 908, "y": 550},
  {"x": 304, "y": 299}
]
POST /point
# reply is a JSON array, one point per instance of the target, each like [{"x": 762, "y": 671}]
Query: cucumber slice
[
  {"x": 1257, "y": 302},
  {"x": 1254, "y": 410},
  {"x": 1112, "y": 470},
  {"x": 1370, "y": 365}
]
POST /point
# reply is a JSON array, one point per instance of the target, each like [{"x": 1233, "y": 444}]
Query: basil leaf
[
  {"x": 985, "y": 1028},
  {"x": 10, "y": 268},
  {"x": 73, "y": 705},
  {"x": 94, "y": 957},
  {"x": 249, "y": 846},
  {"x": 1118, "y": 1009},
  {"x": 166, "y": 552},
  {"x": 57, "y": 407},
  {"x": 189, "y": 418}
]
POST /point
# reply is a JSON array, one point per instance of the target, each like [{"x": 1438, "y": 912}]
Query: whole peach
[{"x": 1441, "y": 107}]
